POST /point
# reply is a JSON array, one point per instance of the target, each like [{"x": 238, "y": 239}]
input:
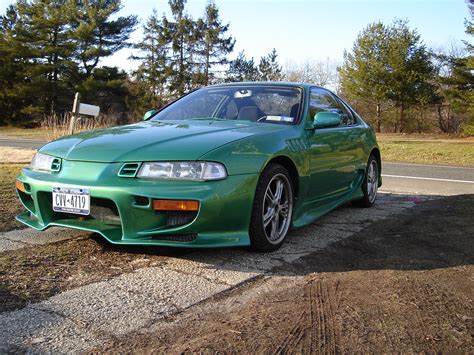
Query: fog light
[
  {"x": 175, "y": 205},
  {"x": 20, "y": 186}
]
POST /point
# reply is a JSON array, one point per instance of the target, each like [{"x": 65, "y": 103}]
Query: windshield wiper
[{"x": 207, "y": 119}]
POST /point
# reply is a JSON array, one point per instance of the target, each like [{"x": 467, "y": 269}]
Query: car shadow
[{"x": 425, "y": 232}]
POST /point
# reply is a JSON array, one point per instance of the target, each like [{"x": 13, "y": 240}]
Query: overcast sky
[{"x": 301, "y": 29}]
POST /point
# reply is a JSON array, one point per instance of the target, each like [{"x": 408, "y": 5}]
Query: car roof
[{"x": 271, "y": 83}]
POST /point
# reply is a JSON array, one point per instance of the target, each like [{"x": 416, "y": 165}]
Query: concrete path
[{"x": 28, "y": 237}]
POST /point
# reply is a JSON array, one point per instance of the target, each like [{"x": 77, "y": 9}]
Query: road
[
  {"x": 397, "y": 177},
  {"x": 23, "y": 143},
  {"x": 427, "y": 179}
]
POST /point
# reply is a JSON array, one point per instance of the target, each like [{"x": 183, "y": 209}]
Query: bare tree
[{"x": 318, "y": 72}]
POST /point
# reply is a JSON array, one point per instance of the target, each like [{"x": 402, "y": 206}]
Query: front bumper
[{"x": 121, "y": 208}]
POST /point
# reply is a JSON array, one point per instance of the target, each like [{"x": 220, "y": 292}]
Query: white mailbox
[
  {"x": 89, "y": 110},
  {"x": 79, "y": 109}
]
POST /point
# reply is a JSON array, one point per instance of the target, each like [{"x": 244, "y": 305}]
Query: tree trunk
[
  {"x": 441, "y": 123},
  {"x": 402, "y": 117},
  {"x": 379, "y": 119}
]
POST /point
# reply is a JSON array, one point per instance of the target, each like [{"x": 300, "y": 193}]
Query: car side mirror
[
  {"x": 326, "y": 119},
  {"x": 148, "y": 114}
]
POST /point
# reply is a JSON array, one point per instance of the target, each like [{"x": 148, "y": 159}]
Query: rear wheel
[
  {"x": 272, "y": 209},
  {"x": 370, "y": 184}
]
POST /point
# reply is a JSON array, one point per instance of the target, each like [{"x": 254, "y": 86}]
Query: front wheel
[
  {"x": 272, "y": 209},
  {"x": 370, "y": 184}
]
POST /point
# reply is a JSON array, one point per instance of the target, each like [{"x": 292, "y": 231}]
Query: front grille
[
  {"x": 104, "y": 210},
  {"x": 27, "y": 200},
  {"x": 184, "y": 238},
  {"x": 129, "y": 170},
  {"x": 179, "y": 218},
  {"x": 56, "y": 165}
]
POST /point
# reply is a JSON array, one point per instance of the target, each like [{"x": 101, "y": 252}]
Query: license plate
[{"x": 71, "y": 200}]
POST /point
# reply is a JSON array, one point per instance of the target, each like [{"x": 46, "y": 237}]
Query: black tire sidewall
[
  {"x": 258, "y": 239},
  {"x": 365, "y": 201}
]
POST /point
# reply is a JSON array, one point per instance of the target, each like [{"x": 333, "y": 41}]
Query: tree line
[
  {"x": 49, "y": 49},
  {"x": 393, "y": 78}
]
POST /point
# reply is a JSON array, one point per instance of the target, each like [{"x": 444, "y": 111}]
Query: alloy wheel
[{"x": 277, "y": 208}]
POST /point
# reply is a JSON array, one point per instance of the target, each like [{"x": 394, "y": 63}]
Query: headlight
[
  {"x": 42, "y": 162},
  {"x": 183, "y": 170}
]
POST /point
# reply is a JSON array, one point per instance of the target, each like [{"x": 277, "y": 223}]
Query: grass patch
[
  {"x": 10, "y": 206},
  {"x": 456, "y": 152}
]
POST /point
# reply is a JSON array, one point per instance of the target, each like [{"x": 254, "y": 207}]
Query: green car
[{"x": 227, "y": 165}]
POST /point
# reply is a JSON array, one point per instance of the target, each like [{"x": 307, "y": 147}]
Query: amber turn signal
[
  {"x": 175, "y": 205},
  {"x": 19, "y": 185}
]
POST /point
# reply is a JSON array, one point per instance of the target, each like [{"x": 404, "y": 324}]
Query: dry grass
[
  {"x": 57, "y": 126},
  {"x": 14, "y": 155}
]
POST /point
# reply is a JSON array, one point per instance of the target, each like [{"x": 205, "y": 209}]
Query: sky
[{"x": 308, "y": 29}]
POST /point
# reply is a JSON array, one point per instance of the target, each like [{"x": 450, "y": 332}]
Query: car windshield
[{"x": 257, "y": 103}]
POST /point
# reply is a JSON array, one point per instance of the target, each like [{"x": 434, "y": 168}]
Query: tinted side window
[
  {"x": 321, "y": 100},
  {"x": 347, "y": 118}
]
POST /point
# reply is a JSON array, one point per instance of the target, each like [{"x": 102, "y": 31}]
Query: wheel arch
[{"x": 290, "y": 166}]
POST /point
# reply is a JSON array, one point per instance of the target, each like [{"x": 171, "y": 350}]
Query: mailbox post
[{"x": 79, "y": 109}]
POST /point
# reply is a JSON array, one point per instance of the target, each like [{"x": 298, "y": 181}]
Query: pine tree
[
  {"x": 151, "y": 73},
  {"x": 11, "y": 69},
  {"x": 97, "y": 35},
  {"x": 41, "y": 40},
  {"x": 214, "y": 46},
  {"x": 242, "y": 69},
  {"x": 268, "y": 68},
  {"x": 180, "y": 33},
  {"x": 410, "y": 67},
  {"x": 363, "y": 75},
  {"x": 456, "y": 106},
  {"x": 389, "y": 64},
  {"x": 49, "y": 49}
]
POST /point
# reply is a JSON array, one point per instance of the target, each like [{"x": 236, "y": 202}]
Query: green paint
[{"x": 328, "y": 164}]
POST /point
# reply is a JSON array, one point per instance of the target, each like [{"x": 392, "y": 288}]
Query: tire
[
  {"x": 370, "y": 184},
  {"x": 271, "y": 214}
]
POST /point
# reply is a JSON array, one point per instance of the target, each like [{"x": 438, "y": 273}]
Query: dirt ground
[{"x": 404, "y": 285}]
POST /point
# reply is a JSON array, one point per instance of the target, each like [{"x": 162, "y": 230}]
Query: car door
[{"x": 332, "y": 151}]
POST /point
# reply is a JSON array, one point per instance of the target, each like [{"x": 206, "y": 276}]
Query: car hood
[{"x": 147, "y": 141}]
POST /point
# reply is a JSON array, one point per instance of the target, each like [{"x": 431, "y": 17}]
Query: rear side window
[
  {"x": 322, "y": 100},
  {"x": 347, "y": 118}
]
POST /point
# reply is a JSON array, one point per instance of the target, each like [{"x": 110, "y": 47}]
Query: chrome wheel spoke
[
  {"x": 268, "y": 217},
  {"x": 279, "y": 191},
  {"x": 269, "y": 196},
  {"x": 275, "y": 227}
]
